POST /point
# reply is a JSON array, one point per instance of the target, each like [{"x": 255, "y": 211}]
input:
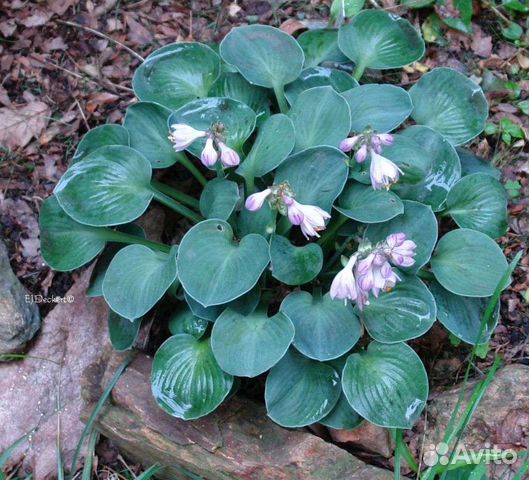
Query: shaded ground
[{"x": 66, "y": 67}]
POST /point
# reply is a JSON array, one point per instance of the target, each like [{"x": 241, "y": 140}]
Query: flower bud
[
  {"x": 228, "y": 156},
  {"x": 209, "y": 155}
]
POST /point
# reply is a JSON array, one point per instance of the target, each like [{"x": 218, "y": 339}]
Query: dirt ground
[{"x": 66, "y": 67}]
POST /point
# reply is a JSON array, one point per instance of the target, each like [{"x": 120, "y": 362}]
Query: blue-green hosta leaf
[
  {"x": 300, "y": 391},
  {"x": 407, "y": 311},
  {"x": 321, "y": 45},
  {"x": 294, "y": 265},
  {"x": 468, "y": 263},
  {"x": 110, "y": 186},
  {"x": 325, "y": 328},
  {"x": 101, "y": 136},
  {"x": 274, "y": 143},
  {"x": 186, "y": 380},
  {"x": 262, "y": 222},
  {"x": 479, "y": 202},
  {"x": 470, "y": 163},
  {"x": 386, "y": 384},
  {"x": 219, "y": 198},
  {"x": 122, "y": 331},
  {"x": 208, "y": 251},
  {"x": 317, "y": 175},
  {"x": 379, "y": 107},
  {"x": 450, "y": 103},
  {"x": 65, "y": 244},
  {"x": 419, "y": 224},
  {"x": 379, "y": 40},
  {"x": 321, "y": 116},
  {"x": 462, "y": 316},
  {"x": 430, "y": 163},
  {"x": 237, "y": 119},
  {"x": 147, "y": 124},
  {"x": 342, "y": 416},
  {"x": 177, "y": 74},
  {"x": 319, "y": 77},
  {"x": 137, "y": 278},
  {"x": 341, "y": 9},
  {"x": 248, "y": 345},
  {"x": 182, "y": 320},
  {"x": 263, "y": 55},
  {"x": 364, "y": 204},
  {"x": 235, "y": 86}
]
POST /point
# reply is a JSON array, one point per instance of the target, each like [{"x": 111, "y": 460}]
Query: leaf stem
[
  {"x": 283, "y": 226},
  {"x": 359, "y": 71},
  {"x": 176, "y": 207},
  {"x": 122, "y": 237},
  {"x": 175, "y": 194},
  {"x": 281, "y": 99},
  {"x": 193, "y": 170},
  {"x": 330, "y": 233}
]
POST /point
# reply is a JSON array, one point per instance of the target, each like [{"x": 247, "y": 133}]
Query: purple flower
[
  {"x": 361, "y": 155},
  {"x": 255, "y": 201},
  {"x": 228, "y": 156},
  {"x": 344, "y": 285},
  {"x": 386, "y": 138},
  {"x": 400, "y": 250},
  {"x": 383, "y": 172},
  {"x": 183, "y": 135},
  {"x": 310, "y": 218},
  {"x": 375, "y": 274},
  {"x": 209, "y": 155},
  {"x": 348, "y": 144}
]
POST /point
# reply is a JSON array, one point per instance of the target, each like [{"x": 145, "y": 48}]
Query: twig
[
  {"x": 82, "y": 113},
  {"x": 102, "y": 35}
]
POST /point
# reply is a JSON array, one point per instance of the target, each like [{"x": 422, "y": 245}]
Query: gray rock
[{"x": 19, "y": 318}]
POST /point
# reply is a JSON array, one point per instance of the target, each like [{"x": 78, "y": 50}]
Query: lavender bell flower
[
  {"x": 228, "y": 156},
  {"x": 209, "y": 155},
  {"x": 383, "y": 172},
  {"x": 348, "y": 144},
  {"x": 386, "y": 138},
  {"x": 183, "y": 135},
  {"x": 255, "y": 201},
  {"x": 361, "y": 155},
  {"x": 310, "y": 218},
  {"x": 344, "y": 285},
  {"x": 400, "y": 250}
]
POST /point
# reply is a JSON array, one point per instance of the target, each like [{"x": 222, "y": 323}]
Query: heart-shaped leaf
[
  {"x": 137, "y": 278},
  {"x": 122, "y": 331},
  {"x": 219, "y": 198},
  {"x": 386, "y": 384},
  {"x": 380, "y": 40},
  {"x": 294, "y": 265},
  {"x": 110, "y": 186},
  {"x": 325, "y": 328},
  {"x": 450, "y": 103},
  {"x": 186, "y": 380},
  {"x": 300, "y": 391},
  {"x": 147, "y": 124},
  {"x": 101, "y": 136},
  {"x": 316, "y": 175},
  {"x": 419, "y": 224},
  {"x": 274, "y": 142},
  {"x": 363, "y": 204},
  {"x": 177, "y": 74},
  {"x": 479, "y": 202},
  {"x": 379, "y": 107},
  {"x": 249, "y": 345},
  {"x": 236, "y": 118},
  {"x": 319, "y": 77},
  {"x": 422, "y": 152},
  {"x": 182, "y": 320},
  {"x": 321, "y": 116},
  {"x": 65, "y": 244},
  {"x": 264, "y": 55},
  {"x": 342, "y": 416},
  {"x": 235, "y": 86},
  {"x": 407, "y": 311},
  {"x": 468, "y": 263},
  {"x": 321, "y": 45},
  {"x": 341, "y": 9},
  {"x": 262, "y": 221},
  {"x": 209, "y": 251},
  {"x": 472, "y": 164},
  {"x": 462, "y": 316}
]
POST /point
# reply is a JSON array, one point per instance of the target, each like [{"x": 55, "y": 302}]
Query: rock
[
  {"x": 366, "y": 436},
  {"x": 72, "y": 337},
  {"x": 19, "y": 317},
  {"x": 236, "y": 442}
]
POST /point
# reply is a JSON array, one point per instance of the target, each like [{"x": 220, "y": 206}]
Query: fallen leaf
[
  {"x": 137, "y": 32},
  {"x": 37, "y": 19},
  {"x": 22, "y": 124},
  {"x": 293, "y": 25},
  {"x": 523, "y": 61},
  {"x": 8, "y": 27},
  {"x": 481, "y": 44}
]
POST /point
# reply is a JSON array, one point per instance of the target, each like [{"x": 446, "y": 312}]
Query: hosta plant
[{"x": 330, "y": 221}]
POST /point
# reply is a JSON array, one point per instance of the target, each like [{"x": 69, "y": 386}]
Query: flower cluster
[
  {"x": 383, "y": 172},
  {"x": 184, "y": 135},
  {"x": 310, "y": 218},
  {"x": 369, "y": 270}
]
